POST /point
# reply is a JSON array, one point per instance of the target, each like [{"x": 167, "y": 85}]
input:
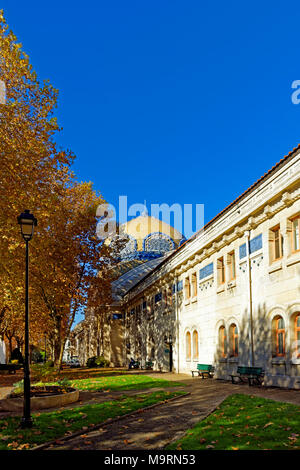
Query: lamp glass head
[{"x": 27, "y": 222}]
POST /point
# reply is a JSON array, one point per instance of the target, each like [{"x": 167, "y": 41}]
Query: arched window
[
  {"x": 234, "y": 340},
  {"x": 159, "y": 242},
  {"x": 188, "y": 346},
  {"x": 187, "y": 288},
  {"x": 297, "y": 334},
  {"x": 222, "y": 341},
  {"x": 195, "y": 345},
  {"x": 280, "y": 336}
]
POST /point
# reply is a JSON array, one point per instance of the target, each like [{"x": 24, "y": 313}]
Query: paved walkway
[
  {"x": 157, "y": 427},
  {"x": 4, "y": 391}
]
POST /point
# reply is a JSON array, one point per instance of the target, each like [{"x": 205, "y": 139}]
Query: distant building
[
  {"x": 149, "y": 240},
  {"x": 2, "y": 352}
]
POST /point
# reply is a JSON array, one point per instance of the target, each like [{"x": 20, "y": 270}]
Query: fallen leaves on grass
[{"x": 267, "y": 425}]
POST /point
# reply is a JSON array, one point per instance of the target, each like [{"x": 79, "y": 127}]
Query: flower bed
[{"x": 41, "y": 398}]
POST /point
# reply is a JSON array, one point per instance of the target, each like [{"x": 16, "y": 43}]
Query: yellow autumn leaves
[{"x": 65, "y": 254}]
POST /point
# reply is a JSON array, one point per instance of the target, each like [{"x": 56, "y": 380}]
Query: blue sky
[{"x": 168, "y": 101}]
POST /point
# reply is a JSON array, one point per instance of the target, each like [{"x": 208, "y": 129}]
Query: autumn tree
[
  {"x": 67, "y": 260},
  {"x": 77, "y": 261},
  {"x": 29, "y": 159}
]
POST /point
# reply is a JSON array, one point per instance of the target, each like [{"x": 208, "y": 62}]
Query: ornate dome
[
  {"x": 148, "y": 238},
  {"x": 147, "y": 241}
]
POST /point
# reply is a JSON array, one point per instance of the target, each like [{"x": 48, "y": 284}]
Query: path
[{"x": 155, "y": 428}]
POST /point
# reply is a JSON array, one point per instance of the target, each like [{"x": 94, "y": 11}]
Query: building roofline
[{"x": 223, "y": 211}]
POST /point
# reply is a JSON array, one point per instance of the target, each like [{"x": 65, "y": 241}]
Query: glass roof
[{"x": 132, "y": 277}]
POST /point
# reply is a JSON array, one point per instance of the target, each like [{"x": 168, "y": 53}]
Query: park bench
[
  {"x": 134, "y": 364},
  {"x": 254, "y": 375},
  {"x": 149, "y": 365},
  {"x": 10, "y": 367},
  {"x": 204, "y": 370}
]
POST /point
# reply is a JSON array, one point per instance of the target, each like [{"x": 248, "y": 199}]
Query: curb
[
  {"x": 182, "y": 434},
  {"x": 59, "y": 441}
]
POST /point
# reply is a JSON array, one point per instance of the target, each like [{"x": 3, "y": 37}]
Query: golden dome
[{"x": 144, "y": 228}]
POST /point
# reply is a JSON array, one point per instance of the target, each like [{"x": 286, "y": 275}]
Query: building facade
[
  {"x": 228, "y": 296},
  {"x": 2, "y": 351},
  {"x": 148, "y": 241}
]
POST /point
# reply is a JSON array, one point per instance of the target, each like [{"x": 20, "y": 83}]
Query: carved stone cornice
[
  {"x": 287, "y": 199},
  {"x": 260, "y": 204}
]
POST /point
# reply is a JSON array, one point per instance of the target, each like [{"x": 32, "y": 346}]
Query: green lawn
[
  {"x": 58, "y": 423},
  {"x": 121, "y": 382},
  {"x": 244, "y": 422}
]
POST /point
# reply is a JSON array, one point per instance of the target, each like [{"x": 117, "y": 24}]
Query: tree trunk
[{"x": 61, "y": 353}]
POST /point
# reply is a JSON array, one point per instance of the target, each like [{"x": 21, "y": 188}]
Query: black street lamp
[
  {"x": 45, "y": 358},
  {"x": 169, "y": 341},
  {"x": 27, "y": 222}
]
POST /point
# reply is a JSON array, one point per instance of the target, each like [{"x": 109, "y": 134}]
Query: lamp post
[
  {"x": 169, "y": 341},
  {"x": 251, "y": 355},
  {"x": 27, "y": 222},
  {"x": 45, "y": 358}
]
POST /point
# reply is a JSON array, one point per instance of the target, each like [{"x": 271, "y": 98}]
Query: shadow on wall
[
  {"x": 279, "y": 370},
  {"x": 146, "y": 336}
]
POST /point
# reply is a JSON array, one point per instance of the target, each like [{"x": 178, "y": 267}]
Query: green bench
[
  {"x": 10, "y": 367},
  {"x": 205, "y": 370},
  {"x": 254, "y": 375},
  {"x": 149, "y": 365},
  {"x": 134, "y": 364}
]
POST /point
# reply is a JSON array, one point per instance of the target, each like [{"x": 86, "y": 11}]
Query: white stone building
[
  {"x": 2, "y": 352},
  {"x": 230, "y": 295}
]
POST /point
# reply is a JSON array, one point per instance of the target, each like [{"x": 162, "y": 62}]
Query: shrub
[
  {"x": 18, "y": 387},
  {"x": 64, "y": 383},
  {"x": 36, "y": 356},
  {"x": 97, "y": 361},
  {"x": 50, "y": 363},
  {"x": 43, "y": 371},
  {"x": 91, "y": 362},
  {"x": 16, "y": 355}
]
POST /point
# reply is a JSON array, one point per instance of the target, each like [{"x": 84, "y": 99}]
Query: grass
[
  {"x": 244, "y": 422},
  {"x": 59, "y": 423},
  {"x": 47, "y": 374},
  {"x": 119, "y": 383}
]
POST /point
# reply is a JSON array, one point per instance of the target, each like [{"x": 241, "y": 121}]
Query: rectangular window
[
  {"x": 170, "y": 296},
  {"x": 296, "y": 233},
  {"x": 165, "y": 297},
  {"x": 297, "y": 334},
  {"x": 194, "y": 285},
  {"x": 117, "y": 316},
  {"x": 221, "y": 270},
  {"x": 151, "y": 307},
  {"x": 206, "y": 271},
  {"x": 138, "y": 309},
  {"x": 179, "y": 286},
  {"x": 275, "y": 240},
  {"x": 187, "y": 288},
  {"x": 255, "y": 244},
  {"x": 231, "y": 266}
]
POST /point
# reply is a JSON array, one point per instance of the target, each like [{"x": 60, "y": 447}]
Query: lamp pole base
[{"x": 26, "y": 422}]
